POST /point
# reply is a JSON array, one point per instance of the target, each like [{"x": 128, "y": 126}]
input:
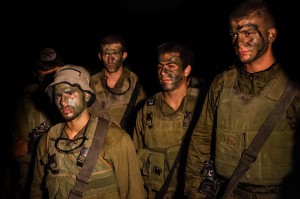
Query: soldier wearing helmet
[{"x": 62, "y": 150}]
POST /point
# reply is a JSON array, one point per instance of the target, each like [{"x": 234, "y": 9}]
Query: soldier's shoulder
[{"x": 115, "y": 134}]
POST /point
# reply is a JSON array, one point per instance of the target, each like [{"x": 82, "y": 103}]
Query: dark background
[{"x": 74, "y": 27}]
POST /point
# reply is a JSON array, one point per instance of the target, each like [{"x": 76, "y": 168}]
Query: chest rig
[
  {"x": 164, "y": 130},
  {"x": 112, "y": 103},
  {"x": 154, "y": 106},
  {"x": 64, "y": 167},
  {"x": 236, "y": 130},
  {"x": 79, "y": 148}
]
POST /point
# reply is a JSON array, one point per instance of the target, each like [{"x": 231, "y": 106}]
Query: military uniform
[
  {"x": 158, "y": 134},
  {"x": 116, "y": 174},
  {"x": 32, "y": 109},
  {"x": 240, "y": 103},
  {"x": 111, "y": 103}
]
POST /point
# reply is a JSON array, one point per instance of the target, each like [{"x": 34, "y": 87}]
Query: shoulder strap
[
  {"x": 250, "y": 154},
  {"x": 161, "y": 193},
  {"x": 192, "y": 118},
  {"x": 130, "y": 105},
  {"x": 83, "y": 177}
]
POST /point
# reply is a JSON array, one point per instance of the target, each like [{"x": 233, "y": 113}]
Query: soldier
[
  {"x": 236, "y": 106},
  {"x": 162, "y": 123},
  {"x": 118, "y": 90},
  {"x": 62, "y": 151},
  {"x": 32, "y": 109}
]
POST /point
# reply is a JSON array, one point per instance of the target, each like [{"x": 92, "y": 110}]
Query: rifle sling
[
  {"x": 161, "y": 193},
  {"x": 250, "y": 154},
  {"x": 130, "y": 105},
  {"x": 181, "y": 152},
  {"x": 82, "y": 179}
]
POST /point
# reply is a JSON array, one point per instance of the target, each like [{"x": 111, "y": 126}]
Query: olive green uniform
[
  {"x": 116, "y": 174},
  {"x": 239, "y": 103},
  {"x": 158, "y": 133},
  {"x": 112, "y": 103},
  {"x": 32, "y": 109}
]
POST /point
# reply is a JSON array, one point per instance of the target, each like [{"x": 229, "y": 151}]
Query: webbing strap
[
  {"x": 82, "y": 179},
  {"x": 250, "y": 154}
]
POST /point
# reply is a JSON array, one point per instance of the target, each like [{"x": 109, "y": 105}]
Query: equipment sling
[
  {"x": 250, "y": 154},
  {"x": 83, "y": 177}
]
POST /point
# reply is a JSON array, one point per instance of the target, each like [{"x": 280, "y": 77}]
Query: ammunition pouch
[
  {"x": 155, "y": 165},
  {"x": 152, "y": 167}
]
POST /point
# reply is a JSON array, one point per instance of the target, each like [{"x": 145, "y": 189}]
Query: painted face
[
  {"x": 112, "y": 57},
  {"x": 169, "y": 70},
  {"x": 249, "y": 37},
  {"x": 69, "y": 100}
]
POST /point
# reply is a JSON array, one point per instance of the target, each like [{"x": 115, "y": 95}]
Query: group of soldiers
[{"x": 157, "y": 146}]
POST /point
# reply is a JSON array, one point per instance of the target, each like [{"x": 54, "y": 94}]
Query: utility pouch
[{"x": 153, "y": 168}]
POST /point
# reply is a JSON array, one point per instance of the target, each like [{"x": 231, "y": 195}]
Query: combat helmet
[{"x": 75, "y": 76}]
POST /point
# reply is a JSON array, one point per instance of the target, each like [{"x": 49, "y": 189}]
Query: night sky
[{"x": 75, "y": 27}]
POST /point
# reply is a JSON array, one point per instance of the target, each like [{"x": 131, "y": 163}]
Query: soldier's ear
[
  {"x": 187, "y": 70},
  {"x": 124, "y": 55},
  {"x": 99, "y": 55},
  {"x": 272, "y": 34},
  {"x": 87, "y": 96}
]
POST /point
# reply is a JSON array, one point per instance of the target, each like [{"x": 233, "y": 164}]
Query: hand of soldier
[{"x": 19, "y": 148}]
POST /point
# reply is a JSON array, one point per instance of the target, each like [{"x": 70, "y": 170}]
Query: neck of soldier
[
  {"x": 262, "y": 63},
  {"x": 112, "y": 78},
  {"x": 74, "y": 126},
  {"x": 174, "y": 98}
]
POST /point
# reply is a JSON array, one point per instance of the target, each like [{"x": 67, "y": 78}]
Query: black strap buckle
[
  {"x": 248, "y": 156},
  {"x": 76, "y": 192}
]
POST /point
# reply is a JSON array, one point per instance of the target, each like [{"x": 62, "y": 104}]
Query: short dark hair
[
  {"x": 248, "y": 8},
  {"x": 185, "y": 52},
  {"x": 112, "y": 39}
]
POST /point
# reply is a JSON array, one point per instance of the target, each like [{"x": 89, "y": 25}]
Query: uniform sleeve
[
  {"x": 38, "y": 173},
  {"x": 137, "y": 131},
  {"x": 200, "y": 145},
  {"x": 127, "y": 169},
  {"x": 141, "y": 97},
  {"x": 20, "y": 129}
]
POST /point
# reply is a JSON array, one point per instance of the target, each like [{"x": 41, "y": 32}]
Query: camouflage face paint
[
  {"x": 249, "y": 39},
  {"x": 170, "y": 71},
  {"x": 112, "y": 57},
  {"x": 69, "y": 100}
]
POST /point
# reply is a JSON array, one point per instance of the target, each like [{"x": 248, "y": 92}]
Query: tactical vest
[
  {"x": 163, "y": 134},
  {"x": 63, "y": 168},
  {"x": 239, "y": 117},
  {"x": 112, "y": 104}
]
